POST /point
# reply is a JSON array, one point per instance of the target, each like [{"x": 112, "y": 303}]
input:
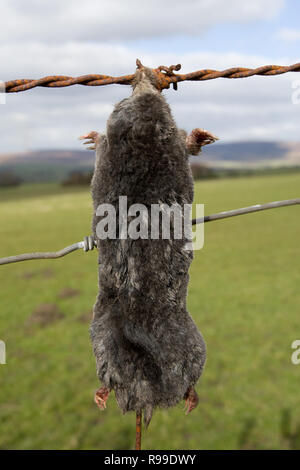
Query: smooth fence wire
[{"x": 89, "y": 243}]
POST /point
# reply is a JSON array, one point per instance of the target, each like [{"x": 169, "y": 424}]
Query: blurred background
[{"x": 244, "y": 287}]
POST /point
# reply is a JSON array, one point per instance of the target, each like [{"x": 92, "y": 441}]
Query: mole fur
[{"x": 147, "y": 347}]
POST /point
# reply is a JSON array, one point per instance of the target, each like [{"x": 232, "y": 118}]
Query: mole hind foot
[
  {"x": 191, "y": 400},
  {"x": 101, "y": 397},
  {"x": 92, "y": 137},
  {"x": 197, "y": 138}
]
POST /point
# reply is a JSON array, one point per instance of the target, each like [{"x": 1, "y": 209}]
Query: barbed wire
[
  {"x": 165, "y": 76},
  {"x": 89, "y": 243}
]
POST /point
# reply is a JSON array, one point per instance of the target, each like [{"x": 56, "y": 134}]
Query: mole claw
[
  {"x": 101, "y": 397},
  {"x": 191, "y": 400}
]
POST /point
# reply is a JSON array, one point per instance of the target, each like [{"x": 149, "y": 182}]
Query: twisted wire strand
[
  {"x": 165, "y": 75},
  {"x": 89, "y": 242}
]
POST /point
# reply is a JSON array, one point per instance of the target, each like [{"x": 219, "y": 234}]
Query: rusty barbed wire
[
  {"x": 89, "y": 243},
  {"x": 165, "y": 75}
]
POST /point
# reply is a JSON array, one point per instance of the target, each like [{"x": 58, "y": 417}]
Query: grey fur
[{"x": 147, "y": 347}]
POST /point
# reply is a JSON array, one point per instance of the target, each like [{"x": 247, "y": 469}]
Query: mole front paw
[
  {"x": 191, "y": 400},
  {"x": 92, "y": 137},
  {"x": 101, "y": 397},
  {"x": 197, "y": 138}
]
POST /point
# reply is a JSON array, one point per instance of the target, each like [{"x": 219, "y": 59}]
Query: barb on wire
[
  {"x": 89, "y": 242},
  {"x": 165, "y": 75}
]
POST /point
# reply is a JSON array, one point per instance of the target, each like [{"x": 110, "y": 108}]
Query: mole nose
[{"x": 139, "y": 64}]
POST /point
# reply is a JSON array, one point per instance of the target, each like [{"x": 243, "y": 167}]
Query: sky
[{"x": 77, "y": 37}]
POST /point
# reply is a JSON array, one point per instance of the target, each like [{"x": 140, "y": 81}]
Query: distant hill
[
  {"x": 55, "y": 165},
  {"x": 47, "y": 165},
  {"x": 252, "y": 154}
]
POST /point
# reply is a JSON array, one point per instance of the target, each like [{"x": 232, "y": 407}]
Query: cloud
[
  {"x": 76, "y": 38},
  {"x": 289, "y": 34},
  {"x": 108, "y": 20}
]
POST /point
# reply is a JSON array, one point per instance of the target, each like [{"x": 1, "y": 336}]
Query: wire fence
[
  {"x": 89, "y": 243},
  {"x": 165, "y": 76}
]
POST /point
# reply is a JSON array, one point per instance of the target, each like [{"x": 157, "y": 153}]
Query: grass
[{"x": 244, "y": 295}]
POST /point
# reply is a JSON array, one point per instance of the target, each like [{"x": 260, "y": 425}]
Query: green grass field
[{"x": 244, "y": 294}]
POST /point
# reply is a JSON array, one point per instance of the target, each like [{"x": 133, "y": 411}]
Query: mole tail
[{"x": 148, "y": 411}]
